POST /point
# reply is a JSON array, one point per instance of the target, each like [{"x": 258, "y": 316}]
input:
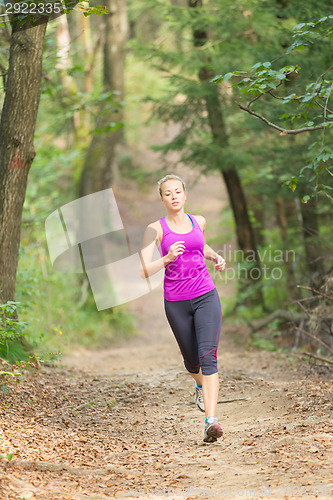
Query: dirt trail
[
  {"x": 127, "y": 427},
  {"x": 276, "y": 415},
  {"x": 121, "y": 422}
]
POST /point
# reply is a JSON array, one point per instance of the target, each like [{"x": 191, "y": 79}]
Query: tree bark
[
  {"x": 310, "y": 229},
  {"x": 97, "y": 169},
  {"x": 283, "y": 225},
  {"x": 17, "y": 127}
]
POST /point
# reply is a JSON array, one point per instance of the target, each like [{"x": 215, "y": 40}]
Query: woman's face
[{"x": 173, "y": 195}]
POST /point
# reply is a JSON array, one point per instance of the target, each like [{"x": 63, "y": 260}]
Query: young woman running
[{"x": 191, "y": 301}]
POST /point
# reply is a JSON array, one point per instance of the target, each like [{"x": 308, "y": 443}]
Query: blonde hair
[{"x": 168, "y": 178}]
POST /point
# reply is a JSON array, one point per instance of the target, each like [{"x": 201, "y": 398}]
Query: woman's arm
[
  {"x": 209, "y": 253},
  {"x": 150, "y": 239},
  {"x": 147, "y": 267}
]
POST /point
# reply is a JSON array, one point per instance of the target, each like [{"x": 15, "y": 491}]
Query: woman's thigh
[{"x": 180, "y": 317}]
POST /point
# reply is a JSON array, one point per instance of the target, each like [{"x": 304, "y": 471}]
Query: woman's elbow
[{"x": 143, "y": 272}]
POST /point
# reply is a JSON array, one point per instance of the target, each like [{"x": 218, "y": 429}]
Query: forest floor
[{"x": 121, "y": 422}]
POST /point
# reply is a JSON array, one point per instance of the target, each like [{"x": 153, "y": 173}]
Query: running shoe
[
  {"x": 213, "y": 430},
  {"x": 199, "y": 401}
]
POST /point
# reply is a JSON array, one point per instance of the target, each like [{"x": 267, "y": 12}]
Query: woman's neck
[{"x": 177, "y": 219}]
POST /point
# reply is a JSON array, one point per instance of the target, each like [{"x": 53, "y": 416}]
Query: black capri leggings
[{"x": 196, "y": 324}]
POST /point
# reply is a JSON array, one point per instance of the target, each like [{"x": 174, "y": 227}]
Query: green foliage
[
  {"x": 10, "y": 327},
  {"x": 32, "y": 13},
  {"x": 307, "y": 110},
  {"x": 239, "y": 35},
  {"x": 56, "y": 319},
  {"x": 265, "y": 343},
  {"x": 53, "y": 312},
  {"x": 88, "y": 11},
  {"x": 13, "y": 351},
  {"x": 162, "y": 71},
  {"x": 263, "y": 79}
]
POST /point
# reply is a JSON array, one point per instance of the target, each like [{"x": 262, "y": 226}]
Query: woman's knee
[
  {"x": 208, "y": 363},
  {"x": 192, "y": 368}
]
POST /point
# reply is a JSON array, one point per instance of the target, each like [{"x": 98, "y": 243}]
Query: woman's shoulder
[
  {"x": 201, "y": 221},
  {"x": 156, "y": 226}
]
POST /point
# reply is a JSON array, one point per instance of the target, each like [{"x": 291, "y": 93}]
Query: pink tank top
[{"x": 187, "y": 276}]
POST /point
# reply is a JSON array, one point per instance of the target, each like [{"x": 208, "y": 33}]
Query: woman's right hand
[{"x": 176, "y": 249}]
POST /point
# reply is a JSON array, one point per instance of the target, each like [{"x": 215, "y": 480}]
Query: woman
[{"x": 192, "y": 304}]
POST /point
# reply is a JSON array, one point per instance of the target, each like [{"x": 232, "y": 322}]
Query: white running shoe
[{"x": 199, "y": 401}]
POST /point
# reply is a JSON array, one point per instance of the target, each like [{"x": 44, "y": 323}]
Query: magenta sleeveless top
[{"x": 187, "y": 276}]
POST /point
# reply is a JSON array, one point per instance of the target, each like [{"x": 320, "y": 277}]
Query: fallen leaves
[{"x": 69, "y": 432}]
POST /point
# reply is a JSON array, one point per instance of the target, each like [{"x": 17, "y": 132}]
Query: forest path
[
  {"x": 126, "y": 426},
  {"x": 121, "y": 422}
]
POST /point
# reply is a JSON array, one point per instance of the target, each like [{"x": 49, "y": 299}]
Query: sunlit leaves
[{"x": 88, "y": 11}]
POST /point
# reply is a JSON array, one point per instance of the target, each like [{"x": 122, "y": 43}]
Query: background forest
[{"x": 201, "y": 68}]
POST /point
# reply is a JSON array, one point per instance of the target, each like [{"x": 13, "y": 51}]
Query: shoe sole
[{"x": 213, "y": 432}]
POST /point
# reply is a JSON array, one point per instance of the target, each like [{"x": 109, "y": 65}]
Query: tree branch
[
  {"x": 317, "y": 357},
  {"x": 316, "y": 291},
  {"x": 278, "y": 314},
  {"x": 283, "y": 131},
  {"x": 323, "y": 74},
  {"x": 315, "y": 338}
]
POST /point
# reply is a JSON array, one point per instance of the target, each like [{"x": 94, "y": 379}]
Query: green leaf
[
  {"x": 299, "y": 26},
  {"x": 9, "y": 456},
  {"x": 305, "y": 198},
  {"x": 227, "y": 76},
  {"x": 291, "y": 184},
  {"x": 216, "y": 79}
]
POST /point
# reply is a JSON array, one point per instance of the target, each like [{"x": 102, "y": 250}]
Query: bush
[{"x": 11, "y": 329}]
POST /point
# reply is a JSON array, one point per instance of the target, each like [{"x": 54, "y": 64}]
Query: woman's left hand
[{"x": 220, "y": 263}]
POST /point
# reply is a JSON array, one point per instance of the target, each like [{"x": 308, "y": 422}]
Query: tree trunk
[
  {"x": 64, "y": 61},
  {"x": 283, "y": 225},
  {"x": 313, "y": 252},
  {"x": 257, "y": 203},
  {"x": 244, "y": 231},
  {"x": 79, "y": 29},
  {"x": 97, "y": 170},
  {"x": 17, "y": 127}
]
